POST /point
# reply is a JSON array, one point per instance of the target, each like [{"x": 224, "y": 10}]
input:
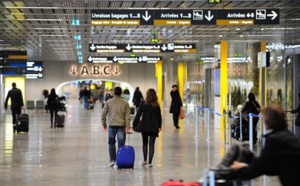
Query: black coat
[
  {"x": 137, "y": 98},
  {"x": 151, "y": 118},
  {"x": 16, "y": 98},
  {"x": 53, "y": 102},
  {"x": 176, "y": 102},
  {"x": 251, "y": 107},
  {"x": 281, "y": 157}
]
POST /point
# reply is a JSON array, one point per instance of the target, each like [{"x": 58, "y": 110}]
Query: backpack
[{"x": 54, "y": 104}]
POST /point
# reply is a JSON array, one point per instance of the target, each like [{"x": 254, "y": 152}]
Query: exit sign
[{"x": 214, "y": 1}]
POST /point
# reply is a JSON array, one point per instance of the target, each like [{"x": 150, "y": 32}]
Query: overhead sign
[
  {"x": 13, "y": 58},
  {"x": 138, "y": 48},
  {"x": 184, "y": 17},
  {"x": 13, "y": 71},
  {"x": 34, "y": 70},
  {"x": 124, "y": 59}
]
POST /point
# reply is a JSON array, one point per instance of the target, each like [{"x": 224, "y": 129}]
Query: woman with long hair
[
  {"x": 151, "y": 123},
  {"x": 53, "y": 105}
]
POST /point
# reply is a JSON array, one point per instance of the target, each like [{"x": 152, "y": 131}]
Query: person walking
[
  {"x": 126, "y": 94},
  {"x": 176, "y": 104},
  {"x": 252, "y": 106},
  {"x": 17, "y": 103},
  {"x": 86, "y": 94},
  {"x": 137, "y": 98},
  {"x": 53, "y": 104},
  {"x": 279, "y": 156},
  {"x": 116, "y": 118},
  {"x": 151, "y": 123}
]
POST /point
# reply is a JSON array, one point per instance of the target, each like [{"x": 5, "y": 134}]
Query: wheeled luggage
[
  {"x": 91, "y": 106},
  {"x": 179, "y": 183},
  {"x": 22, "y": 124},
  {"x": 60, "y": 120},
  {"x": 125, "y": 157},
  {"x": 132, "y": 110}
]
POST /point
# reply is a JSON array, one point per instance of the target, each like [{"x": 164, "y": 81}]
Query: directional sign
[
  {"x": 104, "y": 17},
  {"x": 124, "y": 59},
  {"x": 184, "y": 17},
  {"x": 12, "y": 71},
  {"x": 138, "y": 48},
  {"x": 34, "y": 70},
  {"x": 13, "y": 58},
  {"x": 247, "y": 17}
]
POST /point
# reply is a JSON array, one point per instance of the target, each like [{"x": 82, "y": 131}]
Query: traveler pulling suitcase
[
  {"x": 22, "y": 124},
  {"x": 125, "y": 157}
]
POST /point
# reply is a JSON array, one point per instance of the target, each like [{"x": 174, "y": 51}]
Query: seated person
[{"x": 280, "y": 155}]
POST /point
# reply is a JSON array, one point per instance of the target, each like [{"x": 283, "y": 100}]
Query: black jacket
[
  {"x": 281, "y": 157},
  {"x": 251, "y": 107},
  {"x": 16, "y": 98},
  {"x": 297, "y": 110},
  {"x": 137, "y": 98},
  {"x": 151, "y": 118},
  {"x": 176, "y": 102},
  {"x": 53, "y": 102}
]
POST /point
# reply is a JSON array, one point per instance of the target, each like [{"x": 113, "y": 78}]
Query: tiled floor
[{"x": 78, "y": 153}]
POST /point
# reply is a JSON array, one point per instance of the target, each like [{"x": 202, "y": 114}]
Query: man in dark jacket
[
  {"x": 16, "y": 98},
  {"x": 176, "y": 104},
  {"x": 280, "y": 155}
]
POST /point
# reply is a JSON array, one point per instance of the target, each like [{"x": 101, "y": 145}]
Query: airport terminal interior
[{"x": 216, "y": 51}]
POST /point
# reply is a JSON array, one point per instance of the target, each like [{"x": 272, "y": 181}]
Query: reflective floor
[{"x": 78, "y": 153}]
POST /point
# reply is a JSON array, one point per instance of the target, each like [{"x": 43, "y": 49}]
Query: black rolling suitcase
[
  {"x": 60, "y": 120},
  {"x": 22, "y": 124}
]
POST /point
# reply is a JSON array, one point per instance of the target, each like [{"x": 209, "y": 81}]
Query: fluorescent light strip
[
  {"x": 54, "y": 35},
  {"x": 50, "y": 28},
  {"x": 43, "y": 19}
]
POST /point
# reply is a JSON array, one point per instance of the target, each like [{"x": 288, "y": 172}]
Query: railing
[{"x": 226, "y": 115}]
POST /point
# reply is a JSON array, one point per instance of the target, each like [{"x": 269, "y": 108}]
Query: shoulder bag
[{"x": 181, "y": 114}]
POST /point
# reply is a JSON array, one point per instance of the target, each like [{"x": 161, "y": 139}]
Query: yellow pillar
[
  {"x": 263, "y": 48},
  {"x": 223, "y": 80},
  {"x": 181, "y": 78},
  {"x": 159, "y": 75}
]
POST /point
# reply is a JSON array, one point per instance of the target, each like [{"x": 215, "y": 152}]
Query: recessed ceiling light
[{"x": 238, "y": 29}]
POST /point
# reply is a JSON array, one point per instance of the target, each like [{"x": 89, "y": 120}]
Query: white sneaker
[
  {"x": 112, "y": 163},
  {"x": 150, "y": 165}
]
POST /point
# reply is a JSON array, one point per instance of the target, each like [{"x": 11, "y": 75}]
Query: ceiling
[{"x": 43, "y": 27}]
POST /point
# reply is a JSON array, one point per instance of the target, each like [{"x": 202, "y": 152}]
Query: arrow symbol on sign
[
  {"x": 115, "y": 59},
  {"x": 140, "y": 59},
  {"x": 146, "y": 17},
  {"x": 128, "y": 47},
  {"x": 90, "y": 59},
  {"x": 209, "y": 17},
  {"x": 92, "y": 47},
  {"x": 164, "y": 48},
  {"x": 40, "y": 69},
  {"x": 273, "y": 15}
]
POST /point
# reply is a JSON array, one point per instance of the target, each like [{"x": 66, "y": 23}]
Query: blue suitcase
[{"x": 125, "y": 157}]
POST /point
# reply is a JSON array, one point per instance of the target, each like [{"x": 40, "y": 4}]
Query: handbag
[
  {"x": 138, "y": 127},
  {"x": 181, "y": 113}
]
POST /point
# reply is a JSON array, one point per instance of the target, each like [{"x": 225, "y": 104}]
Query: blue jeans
[
  {"x": 85, "y": 101},
  {"x": 121, "y": 136}
]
